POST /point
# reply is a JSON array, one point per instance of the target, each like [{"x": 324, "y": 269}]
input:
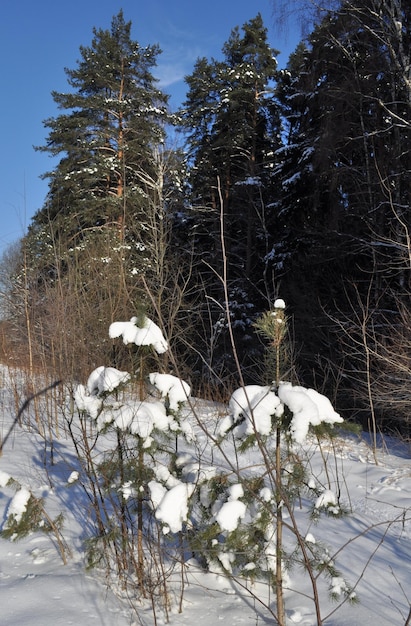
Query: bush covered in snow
[{"x": 228, "y": 513}]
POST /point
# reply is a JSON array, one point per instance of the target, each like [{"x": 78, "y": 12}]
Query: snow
[
  {"x": 84, "y": 402},
  {"x": 171, "y": 387},
  {"x": 74, "y": 476},
  {"x": 173, "y": 507},
  {"x": 140, "y": 417},
  {"x": 370, "y": 546},
  {"x": 105, "y": 380},
  {"x": 328, "y": 500},
  {"x": 157, "y": 493},
  {"x": 338, "y": 586},
  {"x": 18, "y": 504},
  {"x": 135, "y": 416},
  {"x": 253, "y": 407},
  {"x": 148, "y": 334},
  {"x": 250, "y": 180},
  {"x": 256, "y": 404},
  {"x": 308, "y": 407},
  {"x": 233, "y": 510},
  {"x": 230, "y": 514}
]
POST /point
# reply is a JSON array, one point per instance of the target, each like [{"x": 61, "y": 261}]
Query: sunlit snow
[
  {"x": 106, "y": 379},
  {"x": 148, "y": 334},
  {"x": 32, "y": 574},
  {"x": 172, "y": 388},
  {"x": 173, "y": 507},
  {"x": 19, "y": 502},
  {"x": 254, "y": 408}
]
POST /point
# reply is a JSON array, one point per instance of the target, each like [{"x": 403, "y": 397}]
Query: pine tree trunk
[
  {"x": 279, "y": 536},
  {"x": 123, "y": 521},
  {"x": 140, "y": 555}
]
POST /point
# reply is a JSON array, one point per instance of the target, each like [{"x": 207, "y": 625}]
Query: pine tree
[
  {"x": 104, "y": 219},
  {"x": 112, "y": 119},
  {"x": 127, "y": 541}
]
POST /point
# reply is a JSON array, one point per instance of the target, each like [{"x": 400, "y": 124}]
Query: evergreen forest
[{"x": 265, "y": 184}]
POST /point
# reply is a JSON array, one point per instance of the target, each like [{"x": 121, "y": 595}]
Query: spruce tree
[
  {"x": 233, "y": 129},
  {"x": 345, "y": 179}
]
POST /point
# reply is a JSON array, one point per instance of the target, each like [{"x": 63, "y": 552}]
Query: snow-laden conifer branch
[
  {"x": 254, "y": 407},
  {"x": 145, "y": 334}
]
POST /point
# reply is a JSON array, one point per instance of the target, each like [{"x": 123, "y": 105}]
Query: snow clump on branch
[
  {"x": 105, "y": 380},
  {"x": 147, "y": 334},
  {"x": 102, "y": 380},
  {"x": 172, "y": 388},
  {"x": 253, "y": 407},
  {"x": 308, "y": 407}
]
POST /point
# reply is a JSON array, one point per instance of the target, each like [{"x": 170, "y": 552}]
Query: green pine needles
[{"x": 272, "y": 326}]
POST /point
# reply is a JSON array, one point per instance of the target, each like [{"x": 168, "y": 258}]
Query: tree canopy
[
  {"x": 292, "y": 183},
  {"x": 233, "y": 130}
]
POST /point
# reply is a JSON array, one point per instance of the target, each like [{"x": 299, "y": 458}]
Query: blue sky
[{"x": 39, "y": 38}]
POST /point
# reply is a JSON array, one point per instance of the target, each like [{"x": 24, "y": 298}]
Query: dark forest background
[{"x": 267, "y": 183}]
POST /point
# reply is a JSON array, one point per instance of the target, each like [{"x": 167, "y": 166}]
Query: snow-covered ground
[{"x": 372, "y": 544}]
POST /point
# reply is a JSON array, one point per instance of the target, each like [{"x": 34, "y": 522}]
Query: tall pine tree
[
  {"x": 103, "y": 219},
  {"x": 112, "y": 122}
]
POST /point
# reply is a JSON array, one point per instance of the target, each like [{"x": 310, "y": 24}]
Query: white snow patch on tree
[
  {"x": 235, "y": 491},
  {"x": 226, "y": 559},
  {"x": 308, "y": 407},
  {"x": 279, "y": 304},
  {"x": 266, "y": 494},
  {"x": 157, "y": 493},
  {"x": 232, "y": 511},
  {"x": 84, "y": 402},
  {"x": 18, "y": 504},
  {"x": 127, "y": 490},
  {"x": 339, "y": 587},
  {"x": 171, "y": 387},
  {"x": 173, "y": 508},
  {"x": 328, "y": 500},
  {"x": 148, "y": 334},
  {"x": 105, "y": 380},
  {"x": 163, "y": 474},
  {"x": 230, "y": 514},
  {"x": 138, "y": 417},
  {"x": 251, "y": 409},
  {"x": 256, "y": 405}
]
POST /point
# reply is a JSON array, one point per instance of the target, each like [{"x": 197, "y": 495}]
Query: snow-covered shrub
[
  {"x": 26, "y": 514},
  {"x": 236, "y": 513},
  {"x": 138, "y": 436},
  {"x": 237, "y": 530},
  {"x": 230, "y": 515}
]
